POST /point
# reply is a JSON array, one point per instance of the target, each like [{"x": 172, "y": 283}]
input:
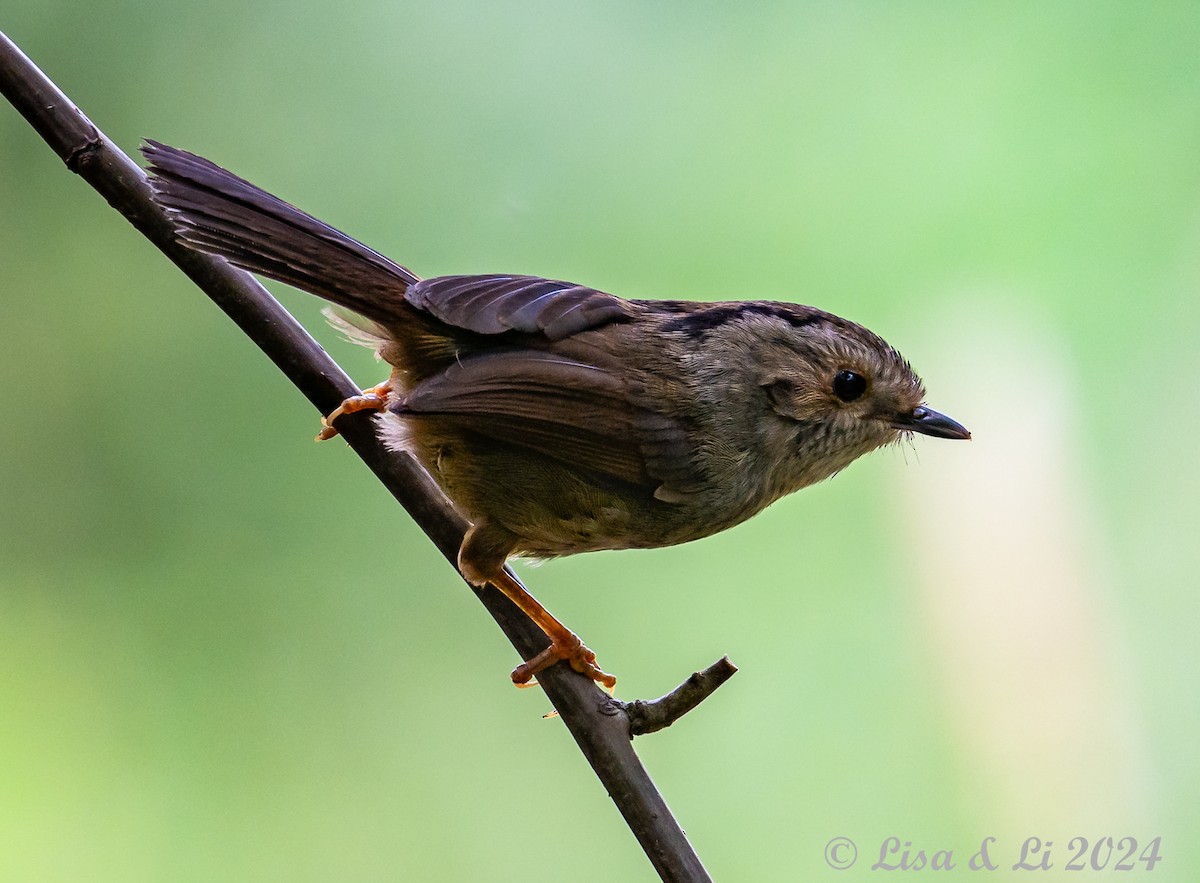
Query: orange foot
[
  {"x": 577, "y": 655},
  {"x": 564, "y": 643},
  {"x": 373, "y": 399}
]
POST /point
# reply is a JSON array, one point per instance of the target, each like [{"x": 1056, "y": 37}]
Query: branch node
[
  {"x": 84, "y": 153},
  {"x": 610, "y": 707}
]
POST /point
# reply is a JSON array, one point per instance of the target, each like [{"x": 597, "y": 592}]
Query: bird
[{"x": 558, "y": 418}]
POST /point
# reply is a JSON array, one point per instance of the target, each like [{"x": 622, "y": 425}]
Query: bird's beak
[{"x": 929, "y": 422}]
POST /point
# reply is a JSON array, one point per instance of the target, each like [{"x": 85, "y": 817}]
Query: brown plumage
[{"x": 561, "y": 419}]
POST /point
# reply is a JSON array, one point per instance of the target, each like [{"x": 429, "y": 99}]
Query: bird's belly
[
  {"x": 581, "y": 517},
  {"x": 554, "y": 509}
]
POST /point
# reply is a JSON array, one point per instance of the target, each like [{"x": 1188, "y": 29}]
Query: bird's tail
[{"x": 215, "y": 211}]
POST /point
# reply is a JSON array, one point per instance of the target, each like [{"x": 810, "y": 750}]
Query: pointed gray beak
[{"x": 929, "y": 422}]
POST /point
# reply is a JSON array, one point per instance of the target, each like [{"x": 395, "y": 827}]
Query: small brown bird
[{"x": 560, "y": 419}]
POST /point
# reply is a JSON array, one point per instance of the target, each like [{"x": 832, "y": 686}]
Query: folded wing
[
  {"x": 582, "y": 415},
  {"x": 527, "y": 304}
]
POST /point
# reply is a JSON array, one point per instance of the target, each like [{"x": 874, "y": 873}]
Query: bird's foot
[
  {"x": 568, "y": 646},
  {"x": 373, "y": 399},
  {"x": 481, "y": 560}
]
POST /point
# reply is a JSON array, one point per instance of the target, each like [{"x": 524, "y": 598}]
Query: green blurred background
[{"x": 225, "y": 653}]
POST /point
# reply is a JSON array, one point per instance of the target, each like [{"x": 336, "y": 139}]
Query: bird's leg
[
  {"x": 564, "y": 643},
  {"x": 373, "y": 399},
  {"x": 481, "y": 558}
]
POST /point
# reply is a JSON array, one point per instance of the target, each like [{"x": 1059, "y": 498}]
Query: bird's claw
[
  {"x": 373, "y": 399},
  {"x": 577, "y": 655}
]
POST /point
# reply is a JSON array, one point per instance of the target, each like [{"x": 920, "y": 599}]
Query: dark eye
[{"x": 849, "y": 386}]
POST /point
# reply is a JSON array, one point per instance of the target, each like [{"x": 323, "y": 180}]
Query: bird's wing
[
  {"x": 528, "y": 304},
  {"x": 581, "y": 415}
]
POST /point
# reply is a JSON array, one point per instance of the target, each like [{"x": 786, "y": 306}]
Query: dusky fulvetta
[{"x": 560, "y": 419}]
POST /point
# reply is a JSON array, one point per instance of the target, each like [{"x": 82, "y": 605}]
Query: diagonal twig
[
  {"x": 652, "y": 715},
  {"x": 602, "y": 727}
]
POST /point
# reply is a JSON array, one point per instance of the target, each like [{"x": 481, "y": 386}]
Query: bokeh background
[{"x": 225, "y": 653}]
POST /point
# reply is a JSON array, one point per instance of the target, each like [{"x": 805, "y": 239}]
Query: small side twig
[
  {"x": 601, "y": 727},
  {"x": 651, "y": 715}
]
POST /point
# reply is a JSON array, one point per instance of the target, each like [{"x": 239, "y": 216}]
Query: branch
[
  {"x": 649, "y": 716},
  {"x": 601, "y": 726}
]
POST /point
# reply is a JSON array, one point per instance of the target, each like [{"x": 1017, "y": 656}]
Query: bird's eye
[{"x": 848, "y": 386}]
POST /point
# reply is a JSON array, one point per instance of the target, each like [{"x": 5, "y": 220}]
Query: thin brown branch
[
  {"x": 599, "y": 725},
  {"x": 651, "y": 715}
]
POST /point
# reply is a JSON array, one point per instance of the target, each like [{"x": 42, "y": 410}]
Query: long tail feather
[{"x": 217, "y": 212}]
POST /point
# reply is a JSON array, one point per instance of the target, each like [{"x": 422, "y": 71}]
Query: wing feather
[
  {"x": 579, "y": 414},
  {"x": 529, "y": 304}
]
